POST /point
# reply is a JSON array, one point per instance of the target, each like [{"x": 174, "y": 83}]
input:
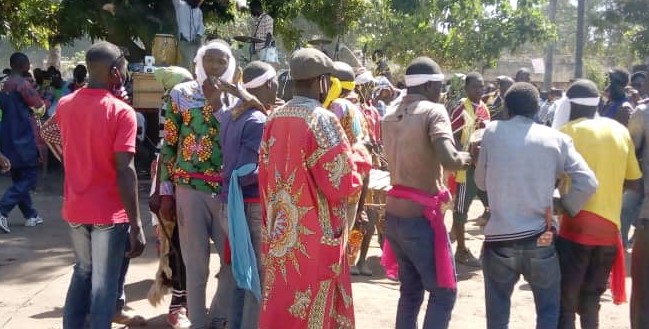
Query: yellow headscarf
[{"x": 334, "y": 92}]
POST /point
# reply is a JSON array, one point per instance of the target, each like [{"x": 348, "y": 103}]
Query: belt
[
  {"x": 208, "y": 178},
  {"x": 515, "y": 243},
  {"x": 252, "y": 200}
]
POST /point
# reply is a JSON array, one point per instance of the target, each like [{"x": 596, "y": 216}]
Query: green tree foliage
[
  {"x": 623, "y": 23},
  {"x": 458, "y": 34},
  {"x": 133, "y": 20},
  {"x": 334, "y": 18},
  {"x": 28, "y": 22}
]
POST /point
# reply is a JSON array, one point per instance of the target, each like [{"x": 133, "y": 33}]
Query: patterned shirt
[{"x": 191, "y": 153}]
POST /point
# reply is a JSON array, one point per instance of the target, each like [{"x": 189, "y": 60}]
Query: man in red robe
[{"x": 308, "y": 174}]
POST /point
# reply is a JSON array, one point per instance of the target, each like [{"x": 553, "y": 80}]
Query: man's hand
[
  {"x": 137, "y": 241},
  {"x": 212, "y": 94},
  {"x": 5, "y": 164},
  {"x": 154, "y": 203},
  {"x": 465, "y": 159},
  {"x": 167, "y": 208}
]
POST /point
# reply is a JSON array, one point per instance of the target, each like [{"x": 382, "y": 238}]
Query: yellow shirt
[{"x": 607, "y": 148}]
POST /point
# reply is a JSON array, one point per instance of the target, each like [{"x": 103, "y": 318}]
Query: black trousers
[
  {"x": 640, "y": 277},
  {"x": 584, "y": 276}
]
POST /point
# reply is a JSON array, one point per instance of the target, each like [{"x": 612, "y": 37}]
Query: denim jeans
[
  {"x": 99, "y": 255},
  {"x": 412, "y": 241},
  {"x": 121, "y": 295},
  {"x": 245, "y": 307},
  {"x": 503, "y": 263},
  {"x": 631, "y": 202},
  {"x": 24, "y": 181}
]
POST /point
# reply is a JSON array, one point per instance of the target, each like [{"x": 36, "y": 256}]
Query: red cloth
[
  {"x": 227, "y": 254},
  {"x": 589, "y": 229},
  {"x": 308, "y": 175},
  {"x": 94, "y": 126},
  {"x": 433, "y": 212}
]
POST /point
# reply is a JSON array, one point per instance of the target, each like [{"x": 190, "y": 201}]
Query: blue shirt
[{"x": 240, "y": 140}]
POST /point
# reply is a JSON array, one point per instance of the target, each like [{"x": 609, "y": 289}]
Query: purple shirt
[{"x": 240, "y": 140}]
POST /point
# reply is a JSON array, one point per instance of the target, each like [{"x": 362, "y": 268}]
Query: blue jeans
[
  {"x": 24, "y": 181},
  {"x": 631, "y": 202},
  {"x": 99, "y": 255},
  {"x": 121, "y": 295},
  {"x": 503, "y": 263},
  {"x": 412, "y": 241}
]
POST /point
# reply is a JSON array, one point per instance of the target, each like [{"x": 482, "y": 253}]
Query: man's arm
[
  {"x": 249, "y": 152},
  {"x": 124, "y": 150},
  {"x": 636, "y": 128},
  {"x": 480, "y": 175},
  {"x": 32, "y": 98},
  {"x": 127, "y": 183},
  {"x": 583, "y": 182},
  {"x": 169, "y": 151},
  {"x": 449, "y": 156}
]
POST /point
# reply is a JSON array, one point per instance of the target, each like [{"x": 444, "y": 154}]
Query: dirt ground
[{"x": 36, "y": 264}]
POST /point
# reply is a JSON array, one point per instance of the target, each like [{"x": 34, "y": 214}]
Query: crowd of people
[{"x": 278, "y": 187}]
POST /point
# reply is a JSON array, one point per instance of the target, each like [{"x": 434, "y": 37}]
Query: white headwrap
[
  {"x": 198, "y": 61},
  {"x": 562, "y": 112},
  {"x": 363, "y": 78},
  {"x": 413, "y": 80},
  {"x": 260, "y": 80}
]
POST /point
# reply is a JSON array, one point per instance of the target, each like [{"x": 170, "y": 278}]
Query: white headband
[
  {"x": 363, "y": 78},
  {"x": 260, "y": 80},
  {"x": 590, "y": 101},
  {"x": 419, "y": 79},
  {"x": 563, "y": 110},
  {"x": 201, "y": 75}
]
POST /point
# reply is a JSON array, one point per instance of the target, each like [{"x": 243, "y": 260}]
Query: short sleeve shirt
[
  {"x": 607, "y": 148},
  {"x": 409, "y": 131},
  {"x": 94, "y": 126}
]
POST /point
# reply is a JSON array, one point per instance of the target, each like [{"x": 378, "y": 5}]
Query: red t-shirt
[{"x": 94, "y": 126}]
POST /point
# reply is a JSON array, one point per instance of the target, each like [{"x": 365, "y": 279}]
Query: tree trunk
[
  {"x": 549, "y": 56},
  {"x": 581, "y": 27},
  {"x": 54, "y": 56}
]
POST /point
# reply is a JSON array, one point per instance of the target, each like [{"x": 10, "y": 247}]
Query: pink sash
[{"x": 443, "y": 264}]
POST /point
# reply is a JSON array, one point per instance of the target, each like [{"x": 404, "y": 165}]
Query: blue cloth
[{"x": 244, "y": 261}]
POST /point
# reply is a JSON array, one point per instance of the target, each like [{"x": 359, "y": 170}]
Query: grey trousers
[
  {"x": 200, "y": 218},
  {"x": 245, "y": 307}
]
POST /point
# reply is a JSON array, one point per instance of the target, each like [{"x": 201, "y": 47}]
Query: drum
[
  {"x": 165, "y": 48},
  {"x": 378, "y": 188}
]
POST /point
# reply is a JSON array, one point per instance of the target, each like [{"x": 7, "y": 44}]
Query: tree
[
  {"x": 132, "y": 21},
  {"x": 549, "y": 56},
  {"x": 631, "y": 19},
  {"x": 28, "y": 22},
  {"x": 460, "y": 34},
  {"x": 579, "y": 49}
]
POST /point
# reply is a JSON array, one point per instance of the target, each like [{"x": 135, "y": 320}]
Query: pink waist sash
[{"x": 433, "y": 212}]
